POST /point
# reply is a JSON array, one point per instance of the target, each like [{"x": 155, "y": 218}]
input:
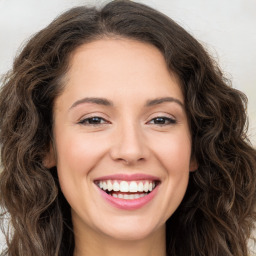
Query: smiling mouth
[{"x": 127, "y": 189}]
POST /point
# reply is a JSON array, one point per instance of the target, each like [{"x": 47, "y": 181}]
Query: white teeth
[
  {"x": 131, "y": 196},
  {"x": 116, "y": 186},
  {"x": 127, "y": 186},
  {"x": 110, "y": 186},
  {"x": 124, "y": 186},
  {"x": 128, "y": 197},
  {"x": 133, "y": 187},
  {"x": 146, "y": 186},
  {"x": 105, "y": 186},
  {"x": 140, "y": 187}
]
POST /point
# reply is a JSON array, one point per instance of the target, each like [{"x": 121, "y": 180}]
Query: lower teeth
[{"x": 128, "y": 196}]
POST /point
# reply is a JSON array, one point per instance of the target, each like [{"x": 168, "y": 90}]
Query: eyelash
[
  {"x": 166, "y": 120},
  {"x": 97, "y": 121},
  {"x": 87, "y": 121}
]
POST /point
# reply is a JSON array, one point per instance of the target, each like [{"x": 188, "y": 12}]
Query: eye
[
  {"x": 162, "y": 120},
  {"x": 94, "y": 120}
]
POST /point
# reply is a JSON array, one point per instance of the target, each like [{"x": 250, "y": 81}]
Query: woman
[{"x": 120, "y": 136}]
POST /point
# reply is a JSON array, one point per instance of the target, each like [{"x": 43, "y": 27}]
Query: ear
[
  {"x": 193, "y": 166},
  {"x": 50, "y": 160}
]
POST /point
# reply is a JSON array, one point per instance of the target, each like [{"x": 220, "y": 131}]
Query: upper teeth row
[{"x": 125, "y": 186}]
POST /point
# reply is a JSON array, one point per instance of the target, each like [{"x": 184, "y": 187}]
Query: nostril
[
  {"x": 130, "y": 148},
  {"x": 131, "y": 161}
]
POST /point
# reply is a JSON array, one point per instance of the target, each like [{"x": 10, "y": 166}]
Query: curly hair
[{"x": 217, "y": 214}]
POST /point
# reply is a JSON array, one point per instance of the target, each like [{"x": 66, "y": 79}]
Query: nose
[{"x": 129, "y": 145}]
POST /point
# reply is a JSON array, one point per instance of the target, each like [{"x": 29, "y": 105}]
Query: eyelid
[
  {"x": 161, "y": 114},
  {"x": 83, "y": 121},
  {"x": 93, "y": 115},
  {"x": 171, "y": 121}
]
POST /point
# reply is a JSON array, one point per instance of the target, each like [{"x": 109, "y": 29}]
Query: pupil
[
  {"x": 94, "y": 120},
  {"x": 160, "y": 120}
]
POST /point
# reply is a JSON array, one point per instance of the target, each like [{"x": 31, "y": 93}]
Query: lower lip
[{"x": 128, "y": 204}]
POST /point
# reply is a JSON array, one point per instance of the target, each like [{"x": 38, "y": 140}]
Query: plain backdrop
[{"x": 226, "y": 28}]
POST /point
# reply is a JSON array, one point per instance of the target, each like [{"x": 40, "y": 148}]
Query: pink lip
[
  {"x": 129, "y": 177},
  {"x": 128, "y": 204}
]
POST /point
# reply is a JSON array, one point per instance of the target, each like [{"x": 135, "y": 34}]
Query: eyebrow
[
  {"x": 106, "y": 102},
  {"x": 98, "y": 101},
  {"x": 158, "y": 101}
]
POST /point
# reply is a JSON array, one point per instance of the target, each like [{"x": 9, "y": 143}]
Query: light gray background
[{"x": 227, "y": 28}]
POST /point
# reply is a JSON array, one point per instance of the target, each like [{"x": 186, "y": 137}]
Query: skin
[{"x": 128, "y": 139}]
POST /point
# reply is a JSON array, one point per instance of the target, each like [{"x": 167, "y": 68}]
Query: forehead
[{"x": 107, "y": 67}]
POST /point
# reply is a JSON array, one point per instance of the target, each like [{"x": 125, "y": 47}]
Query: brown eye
[
  {"x": 162, "y": 121},
  {"x": 95, "y": 120}
]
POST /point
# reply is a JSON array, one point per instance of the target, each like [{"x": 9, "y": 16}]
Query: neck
[{"x": 96, "y": 244}]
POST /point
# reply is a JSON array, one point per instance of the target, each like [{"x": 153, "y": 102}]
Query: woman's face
[{"x": 122, "y": 140}]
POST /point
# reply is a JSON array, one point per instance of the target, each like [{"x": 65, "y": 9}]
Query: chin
[{"x": 132, "y": 231}]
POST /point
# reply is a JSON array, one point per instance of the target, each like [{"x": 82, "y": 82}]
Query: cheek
[
  {"x": 174, "y": 152},
  {"x": 175, "y": 159},
  {"x": 76, "y": 157},
  {"x": 77, "y": 154}
]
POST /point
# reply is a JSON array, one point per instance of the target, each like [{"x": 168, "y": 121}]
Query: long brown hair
[{"x": 217, "y": 213}]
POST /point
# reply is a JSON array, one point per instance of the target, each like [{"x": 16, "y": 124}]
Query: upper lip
[{"x": 128, "y": 177}]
